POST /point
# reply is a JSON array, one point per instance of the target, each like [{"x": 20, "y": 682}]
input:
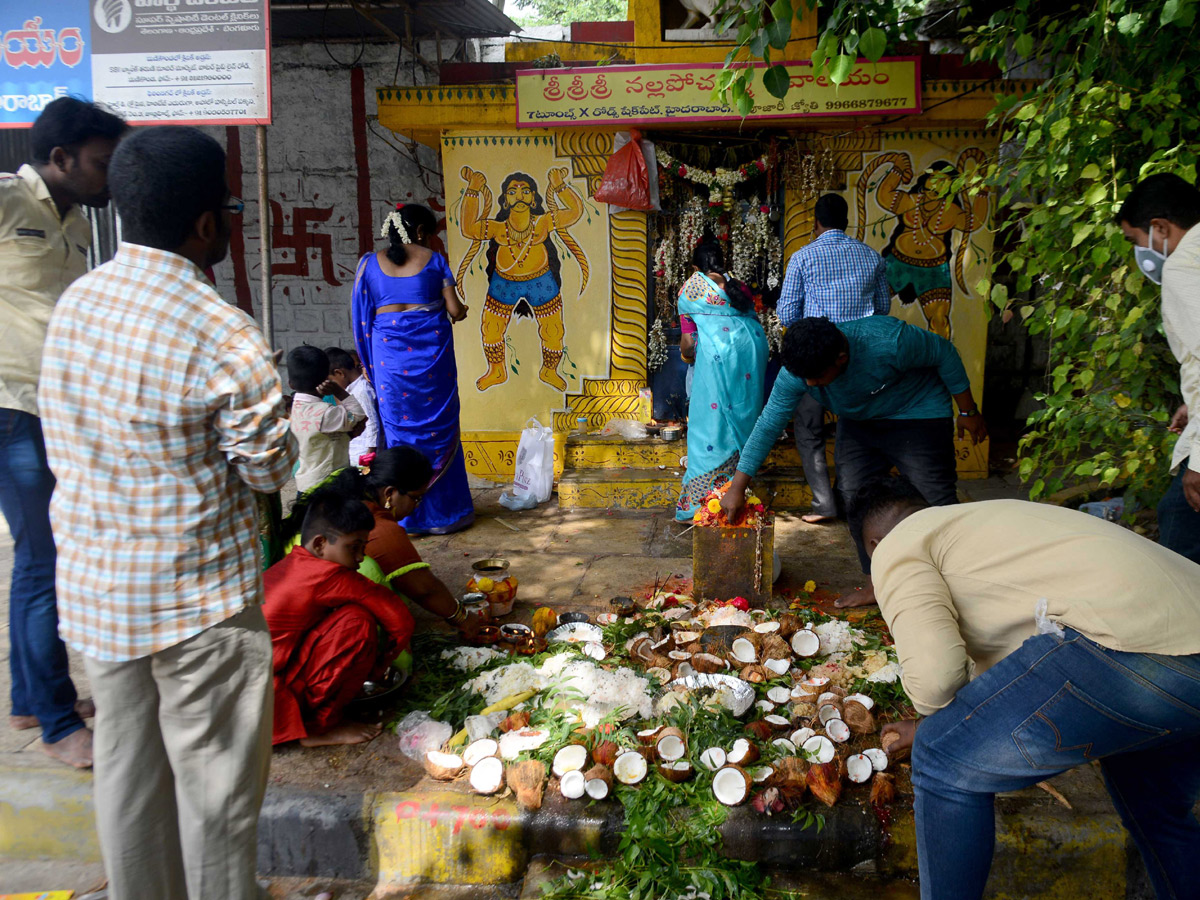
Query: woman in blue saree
[
  {"x": 723, "y": 335},
  {"x": 403, "y": 308}
]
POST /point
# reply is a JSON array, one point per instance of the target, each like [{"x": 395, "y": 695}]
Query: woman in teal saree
[{"x": 723, "y": 335}]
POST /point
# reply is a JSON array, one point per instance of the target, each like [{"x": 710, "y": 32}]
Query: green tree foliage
[
  {"x": 563, "y": 12},
  {"x": 1118, "y": 102}
]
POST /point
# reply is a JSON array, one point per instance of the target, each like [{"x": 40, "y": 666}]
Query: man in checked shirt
[
  {"x": 163, "y": 414},
  {"x": 841, "y": 279}
]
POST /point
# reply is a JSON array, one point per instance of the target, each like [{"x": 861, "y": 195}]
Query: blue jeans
[
  {"x": 1178, "y": 523},
  {"x": 1053, "y": 704},
  {"x": 809, "y": 426},
  {"x": 921, "y": 449},
  {"x": 41, "y": 682}
]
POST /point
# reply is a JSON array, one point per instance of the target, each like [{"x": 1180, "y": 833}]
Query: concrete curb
[{"x": 447, "y": 837}]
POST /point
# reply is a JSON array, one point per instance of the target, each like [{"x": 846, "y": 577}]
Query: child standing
[
  {"x": 322, "y": 429},
  {"x": 331, "y": 628},
  {"x": 346, "y": 371}
]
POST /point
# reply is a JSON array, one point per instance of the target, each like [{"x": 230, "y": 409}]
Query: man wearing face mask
[{"x": 1160, "y": 217}]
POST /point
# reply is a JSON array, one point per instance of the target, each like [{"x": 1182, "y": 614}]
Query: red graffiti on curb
[{"x": 437, "y": 815}]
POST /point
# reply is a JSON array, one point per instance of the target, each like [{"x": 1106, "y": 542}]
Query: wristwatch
[{"x": 968, "y": 413}]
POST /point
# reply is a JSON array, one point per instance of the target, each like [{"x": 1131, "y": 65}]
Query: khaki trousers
[{"x": 182, "y": 747}]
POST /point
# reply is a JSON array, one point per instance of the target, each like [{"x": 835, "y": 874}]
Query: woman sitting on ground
[{"x": 392, "y": 489}]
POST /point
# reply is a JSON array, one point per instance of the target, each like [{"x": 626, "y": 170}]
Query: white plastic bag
[
  {"x": 534, "y": 475},
  {"x": 419, "y": 733},
  {"x": 629, "y": 429},
  {"x": 1046, "y": 625}
]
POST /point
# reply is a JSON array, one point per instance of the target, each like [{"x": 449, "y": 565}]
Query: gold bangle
[{"x": 471, "y": 193}]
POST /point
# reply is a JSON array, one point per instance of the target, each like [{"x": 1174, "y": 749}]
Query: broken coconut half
[
  {"x": 731, "y": 785},
  {"x": 597, "y": 782},
  {"x": 743, "y": 651},
  {"x": 670, "y": 745},
  {"x": 680, "y": 770},
  {"x": 761, "y": 774},
  {"x": 838, "y": 730},
  {"x": 800, "y": 735},
  {"x": 514, "y": 743},
  {"x": 743, "y": 752},
  {"x": 480, "y": 749},
  {"x": 779, "y": 695},
  {"x": 488, "y": 776},
  {"x": 877, "y": 757},
  {"x": 713, "y": 758},
  {"x": 778, "y": 723},
  {"x": 859, "y": 768},
  {"x": 777, "y": 666},
  {"x": 805, "y": 643},
  {"x": 818, "y": 748},
  {"x": 443, "y": 766},
  {"x": 630, "y": 768},
  {"x": 570, "y": 758},
  {"x": 828, "y": 713},
  {"x": 572, "y": 785}
]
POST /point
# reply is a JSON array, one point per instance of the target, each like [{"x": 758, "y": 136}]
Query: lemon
[
  {"x": 485, "y": 584},
  {"x": 753, "y": 501}
]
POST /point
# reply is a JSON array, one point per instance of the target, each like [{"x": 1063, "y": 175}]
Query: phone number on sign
[{"x": 873, "y": 103}]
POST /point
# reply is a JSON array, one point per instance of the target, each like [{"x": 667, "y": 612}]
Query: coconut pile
[{"x": 805, "y": 733}]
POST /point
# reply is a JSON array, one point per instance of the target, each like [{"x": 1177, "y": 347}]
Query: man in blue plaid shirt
[{"x": 841, "y": 279}]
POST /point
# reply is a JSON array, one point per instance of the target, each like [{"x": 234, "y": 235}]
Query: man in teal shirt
[{"x": 890, "y": 385}]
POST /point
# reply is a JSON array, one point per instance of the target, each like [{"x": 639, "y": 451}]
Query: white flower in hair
[{"x": 394, "y": 220}]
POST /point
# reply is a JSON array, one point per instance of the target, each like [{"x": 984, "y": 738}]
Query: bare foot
[
  {"x": 74, "y": 750},
  {"x": 85, "y": 709},
  {"x": 496, "y": 374},
  {"x": 861, "y": 597},
  {"x": 346, "y": 733},
  {"x": 552, "y": 378},
  {"x": 816, "y": 519}
]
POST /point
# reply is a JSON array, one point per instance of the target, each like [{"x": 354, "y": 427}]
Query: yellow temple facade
[{"x": 552, "y": 132}]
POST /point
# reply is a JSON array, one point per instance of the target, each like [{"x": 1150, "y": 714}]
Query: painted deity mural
[
  {"x": 524, "y": 270},
  {"x": 530, "y": 251},
  {"x": 932, "y": 229}
]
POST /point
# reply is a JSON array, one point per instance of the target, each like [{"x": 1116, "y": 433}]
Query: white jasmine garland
[{"x": 394, "y": 220}]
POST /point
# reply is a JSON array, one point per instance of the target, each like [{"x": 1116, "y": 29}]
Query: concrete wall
[{"x": 333, "y": 174}]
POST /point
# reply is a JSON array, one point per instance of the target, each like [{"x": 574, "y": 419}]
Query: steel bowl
[
  {"x": 568, "y": 618},
  {"x": 492, "y": 568}
]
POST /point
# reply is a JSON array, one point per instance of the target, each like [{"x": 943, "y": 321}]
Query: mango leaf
[
  {"x": 776, "y": 80},
  {"x": 841, "y": 68},
  {"x": 873, "y": 44}
]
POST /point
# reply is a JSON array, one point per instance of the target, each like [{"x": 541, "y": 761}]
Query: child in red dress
[{"x": 331, "y": 628}]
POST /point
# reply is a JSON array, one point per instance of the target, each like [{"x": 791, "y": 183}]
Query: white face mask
[{"x": 1149, "y": 260}]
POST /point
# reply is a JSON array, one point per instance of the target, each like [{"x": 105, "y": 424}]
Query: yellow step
[
  {"x": 595, "y": 452},
  {"x": 653, "y": 488}
]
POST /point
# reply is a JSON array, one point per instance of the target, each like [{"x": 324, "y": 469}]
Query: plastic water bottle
[{"x": 581, "y": 425}]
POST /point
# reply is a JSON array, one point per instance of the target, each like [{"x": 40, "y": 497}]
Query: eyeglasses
[{"x": 236, "y": 206}]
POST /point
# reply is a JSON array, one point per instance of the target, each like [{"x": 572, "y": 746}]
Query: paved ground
[{"x": 567, "y": 559}]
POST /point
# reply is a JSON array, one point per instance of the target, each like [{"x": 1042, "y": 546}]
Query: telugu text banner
[{"x": 627, "y": 95}]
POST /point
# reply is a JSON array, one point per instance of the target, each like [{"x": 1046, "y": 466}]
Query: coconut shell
[
  {"x": 749, "y": 758},
  {"x": 733, "y": 772},
  {"x": 791, "y": 773},
  {"x": 443, "y": 766},
  {"x": 516, "y": 721},
  {"x": 824, "y": 781},
  {"x": 649, "y": 736},
  {"x": 605, "y": 753},
  {"x": 774, "y": 647},
  {"x": 718, "y": 638},
  {"x": 887, "y": 742},
  {"x": 666, "y": 733},
  {"x": 754, "y": 673},
  {"x": 675, "y": 771},
  {"x": 760, "y": 729},
  {"x": 660, "y": 661},
  {"x": 789, "y": 624},
  {"x": 708, "y": 663},
  {"x": 598, "y": 773},
  {"x": 803, "y": 710},
  {"x": 858, "y": 717},
  {"x": 528, "y": 781},
  {"x": 682, "y": 669},
  {"x": 883, "y": 789},
  {"x": 694, "y": 648},
  {"x": 642, "y": 650}
]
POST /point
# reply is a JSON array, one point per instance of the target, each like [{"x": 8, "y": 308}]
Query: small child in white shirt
[
  {"x": 322, "y": 429},
  {"x": 346, "y": 371}
]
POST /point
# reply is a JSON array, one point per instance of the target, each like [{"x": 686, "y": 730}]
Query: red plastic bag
[{"x": 626, "y": 182}]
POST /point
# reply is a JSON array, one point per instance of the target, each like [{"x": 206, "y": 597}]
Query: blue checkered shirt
[
  {"x": 163, "y": 414},
  {"x": 837, "y": 277}
]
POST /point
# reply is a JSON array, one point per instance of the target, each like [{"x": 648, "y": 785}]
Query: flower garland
[
  {"x": 769, "y": 320},
  {"x": 720, "y": 181},
  {"x": 656, "y": 347}
]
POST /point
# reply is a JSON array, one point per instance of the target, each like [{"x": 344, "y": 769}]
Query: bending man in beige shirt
[{"x": 1108, "y": 671}]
